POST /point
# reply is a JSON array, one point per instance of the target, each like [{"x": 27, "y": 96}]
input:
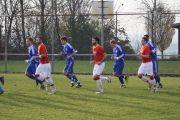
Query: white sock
[
  {"x": 50, "y": 81},
  {"x": 100, "y": 87},
  {"x": 145, "y": 79},
  {"x": 152, "y": 82},
  {"x": 103, "y": 77}
]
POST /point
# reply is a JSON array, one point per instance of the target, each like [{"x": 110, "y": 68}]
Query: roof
[{"x": 176, "y": 25}]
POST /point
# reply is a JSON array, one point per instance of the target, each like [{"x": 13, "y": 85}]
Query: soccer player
[
  {"x": 145, "y": 71},
  {"x": 68, "y": 53},
  {"x": 118, "y": 57},
  {"x": 154, "y": 61},
  {"x": 32, "y": 63},
  {"x": 99, "y": 64},
  {"x": 1, "y": 85},
  {"x": 43, "y": 71}
]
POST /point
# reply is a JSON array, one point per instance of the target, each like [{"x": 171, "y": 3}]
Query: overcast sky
[{"x": 134, "y": 25}]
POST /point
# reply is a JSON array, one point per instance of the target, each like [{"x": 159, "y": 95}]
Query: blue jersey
[
  {"x": 153, "y": 50},
  {"x": 32, "y": 52},
  {"x": 68, "y": 50},
  {"x": 118, "y": 54}
]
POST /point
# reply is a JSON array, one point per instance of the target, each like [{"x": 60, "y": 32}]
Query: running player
[
  {"x": 99, "y": 64},
  {"x": 43, "y": 71},
  {"x": 154, "y": 61},
  {"x": 1, "y": 85},
  {"x": 32, "y": 63},
  {"x": 68, "y": 53},
  {"x": 118, "y": 57},
  {"x": 145, "y": 71}
]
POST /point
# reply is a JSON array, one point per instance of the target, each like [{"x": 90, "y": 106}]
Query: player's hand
[
  {"x": 27, "y": 61},
  {"x": 91, "y": 62},
  {"x": 112, "y": 57}
]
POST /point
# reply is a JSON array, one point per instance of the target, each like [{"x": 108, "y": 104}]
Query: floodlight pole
[
  {"x": 5, "y": 42},
  {"x": 102, "y": 22},
  {"x": 116, "y": 25},
  {"x": 52, "y": 34},
  {"x": 155, "y": 20}
]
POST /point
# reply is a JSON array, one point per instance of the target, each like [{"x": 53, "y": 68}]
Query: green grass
[
  {"x": 86, "y": 67},
  {"x": 23, "y": 101}
]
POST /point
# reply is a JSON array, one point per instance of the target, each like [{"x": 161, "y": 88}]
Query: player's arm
[{"x": 103, "y": 59}]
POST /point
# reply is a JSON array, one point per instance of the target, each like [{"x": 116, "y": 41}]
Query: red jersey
[
  {"x": 43, "y": 51},
  {"x": 98, "y": 52},
  {"x": 145, "y": 50}
]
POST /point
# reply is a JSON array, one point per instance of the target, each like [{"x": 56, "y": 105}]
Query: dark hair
[
  {"x": 64, "y": 38},
  {"x": 146, "y": 35},
  {"x": 113, "y": 41},
  {"x": 30, "y": 39},
  {"x": 145, "y": 39},
  {"x": 97, "y": 39}
]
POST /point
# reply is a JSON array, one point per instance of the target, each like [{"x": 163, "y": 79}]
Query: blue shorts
[
  {"x": 69, "y": 66},
  {"x": 31, "y": 68},
  {"x": 118, "y": 68},
  {"x": 155, "y": 66}
]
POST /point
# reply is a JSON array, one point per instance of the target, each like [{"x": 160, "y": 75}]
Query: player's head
[
  {"x": 63, "y": 40},
  {"x": 113, "y": 43},
  {"x": 38, "y": 40},
  {"x": 95, "y": 40},
  {"x": 29, "y": 41},
  {"x": 146, "y": 36},
  {"x": 144, "y": 41}
]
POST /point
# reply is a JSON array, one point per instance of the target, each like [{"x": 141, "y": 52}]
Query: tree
[{"x": 163, "y": 32}]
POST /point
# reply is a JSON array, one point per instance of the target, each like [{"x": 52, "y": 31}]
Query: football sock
[
  {"x": 100, "y": 87},
  {"x": 121, "y": 79}
]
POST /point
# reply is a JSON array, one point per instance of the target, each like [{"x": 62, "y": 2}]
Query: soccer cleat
[
  {"x": 160, "y": 85},
  {"x": 109, "y": 79},
  {"x": 123, "y": 86},
  {"x": 72, "y": 84},
  {"x": 99, "y": 92},
  {"x": 126, "y": 78},
  {"x": 78, "y": 85}
]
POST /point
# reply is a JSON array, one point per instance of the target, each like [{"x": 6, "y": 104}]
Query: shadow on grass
[{"x": 22, "y": 101}]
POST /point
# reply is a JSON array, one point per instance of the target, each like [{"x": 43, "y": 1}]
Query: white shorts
[
  {"x": 146, "y": 68},
  {"x": 98, "y": 69},
  {"x": 44, "y": 69}
]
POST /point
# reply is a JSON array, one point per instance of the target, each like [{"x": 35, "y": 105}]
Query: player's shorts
[
  {"x": 69, "y": 66},
  {"x": 146, "y": 68},
  {"x": 31, "y": 68},
  {"x": 118, "y": 68},
  {"x": 98, "y": 69},
  {"x": 155, "y": 66},
  {"x": 44, "y": 69}
]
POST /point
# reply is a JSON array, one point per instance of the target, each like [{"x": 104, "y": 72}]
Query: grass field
[
  {"x": 131, "y": 66},
  {"x": 23, "y": 101}
]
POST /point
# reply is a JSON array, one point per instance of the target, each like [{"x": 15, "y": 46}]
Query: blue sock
[
  {"x": 75, "y": 79},
  {"x": 157, "y": 78},
  {"x": 121, "y": 79},
  {"x": 69, "y": 76}
]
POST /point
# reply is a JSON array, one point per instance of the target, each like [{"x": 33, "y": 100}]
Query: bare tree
[{"x": 163, "y": 32}]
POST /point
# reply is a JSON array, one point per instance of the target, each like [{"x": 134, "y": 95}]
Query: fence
[{"x": 15, "y": 64}]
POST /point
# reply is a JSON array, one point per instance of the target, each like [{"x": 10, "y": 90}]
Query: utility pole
[
  {"x": 155, "y": 20},
  {"x": 102, "y": 22},
  {"x": 5, "y": 42},
  {"x": 52, "y": 34},
  {"x": 148, "y": 23}
]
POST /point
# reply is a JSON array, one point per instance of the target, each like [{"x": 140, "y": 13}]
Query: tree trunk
[
  {"x": 162, "y": 54},
  {"x": 42, "y": 29}
]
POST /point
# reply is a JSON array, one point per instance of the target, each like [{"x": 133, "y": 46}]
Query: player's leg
[
  {"x": 96, "y": 77},
  {"x": 1, "y": 85},
  {"x": 141, "y": 73},
  {"x": 149, "y": 72},
  {"x": 156, "y": 75},
  {"x": 100, "y": 71},
  {"x": 73, "y": 76},
  {"x": 49, "y": 79},
  {"x": 68, "y": 74},
  {"x": 118, "y": 69}
]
